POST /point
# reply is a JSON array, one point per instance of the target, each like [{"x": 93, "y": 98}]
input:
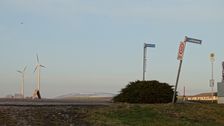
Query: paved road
[{"x": 53, "y": 102}]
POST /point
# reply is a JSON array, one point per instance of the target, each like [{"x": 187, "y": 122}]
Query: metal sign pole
[
  {"x": 178, "y": 75},
  {"x": 212, "y": 59},
  {"x": 180, "y": 57},
  {"x": 144, "y": 62},
  {"x": 212, "y": 82},
  {"x": 144, "y": 57}
]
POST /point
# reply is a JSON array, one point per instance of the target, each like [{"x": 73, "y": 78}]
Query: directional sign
[
  {"x": 150, "y": 45},
  {"x": 192, "y": 40},
  {"x": 181, "y": 50}
]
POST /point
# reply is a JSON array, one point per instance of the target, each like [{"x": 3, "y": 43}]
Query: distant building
[
  {"x": 220, "y": 88},
  {"x": 203, "y": 97}
]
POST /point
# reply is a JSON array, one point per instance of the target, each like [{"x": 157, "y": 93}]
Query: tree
[{"x": 145, "y": 92}]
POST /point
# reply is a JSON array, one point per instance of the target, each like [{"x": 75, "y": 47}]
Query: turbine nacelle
[
  {"x": 22, "y": 72},
  {"x": 38, "y": 66}
]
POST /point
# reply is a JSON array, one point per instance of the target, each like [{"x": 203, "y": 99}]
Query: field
[
  {"x": 159, "y": 115},
  {"x": 114, "y": 115}
]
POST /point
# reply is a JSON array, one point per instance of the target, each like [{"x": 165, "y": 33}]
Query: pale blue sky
[{"x": 97, "y": 45}]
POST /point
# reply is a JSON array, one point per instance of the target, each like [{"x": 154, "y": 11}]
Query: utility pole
[
  {"x": 144, "y": 57},
  {"x": 180, "y": 57}
]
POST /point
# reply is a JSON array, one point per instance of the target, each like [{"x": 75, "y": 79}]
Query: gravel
[
  {"x": 43, "y": 116},
  {"x": 46, "y": 112}
]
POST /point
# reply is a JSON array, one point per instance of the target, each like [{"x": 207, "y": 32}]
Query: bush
[{"x": 145, "y": 92}]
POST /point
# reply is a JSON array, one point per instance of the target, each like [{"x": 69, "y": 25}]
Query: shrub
[{"x": 145, "y": 92}]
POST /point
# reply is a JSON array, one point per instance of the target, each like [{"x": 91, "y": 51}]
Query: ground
[
  {"x": 42, "y": 116},
  {"x": 112, "y": 114}
]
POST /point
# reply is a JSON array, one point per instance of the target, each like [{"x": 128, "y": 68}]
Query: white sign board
[
  {"x": 181, "y": 50},
  {"x": 211, "y": 82}
]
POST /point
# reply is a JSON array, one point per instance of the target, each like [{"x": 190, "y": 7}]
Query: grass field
[
  {"x": 114, "y": 115},
  {"x": 158, "y": 115}
]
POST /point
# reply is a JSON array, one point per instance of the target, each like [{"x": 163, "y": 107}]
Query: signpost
[
  {"x": 144, "y": 57},
  {"x": 212, "y": 81},
  {"x": 180, "y": 57}
]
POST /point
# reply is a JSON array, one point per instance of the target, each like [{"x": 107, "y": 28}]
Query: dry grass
[
  {"x": 115, "y": 115},
  {"x": 159, "y": 115}
]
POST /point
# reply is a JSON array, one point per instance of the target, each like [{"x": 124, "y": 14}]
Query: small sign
[
  {"x": 192, "y": 40},
  {"x": 212, "y": 57},
  {"x": 150, "y": 45},
  {"x": 212, "y": 82},
  {"x": 181, "y": 51}
]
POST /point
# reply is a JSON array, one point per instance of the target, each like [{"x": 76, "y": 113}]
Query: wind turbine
[
  {"x": 37, "y": 68},
  {"x": 22, "y": 84}
]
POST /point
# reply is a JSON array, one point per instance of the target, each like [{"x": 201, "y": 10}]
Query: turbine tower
[
  {"x": 37, "y": 68},
  {"x": 22, "y": 84}
]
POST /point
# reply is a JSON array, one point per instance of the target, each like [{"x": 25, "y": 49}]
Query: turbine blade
[
  {"x": 19, "y": 71},
  {"x": 35, "y": 69},
  {"x": 42, "y": 66},
  {"x": 37, "y": 59},
  {"x": 24, "y": 68}
]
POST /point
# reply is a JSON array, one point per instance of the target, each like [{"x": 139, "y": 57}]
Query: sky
[{"x": 97, "y": 45}]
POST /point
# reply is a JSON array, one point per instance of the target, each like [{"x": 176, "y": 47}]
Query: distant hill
[{"x": 95, "y": 94}]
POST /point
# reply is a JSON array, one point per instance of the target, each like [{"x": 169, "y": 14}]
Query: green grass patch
[{"x": 158, "y": 115}]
